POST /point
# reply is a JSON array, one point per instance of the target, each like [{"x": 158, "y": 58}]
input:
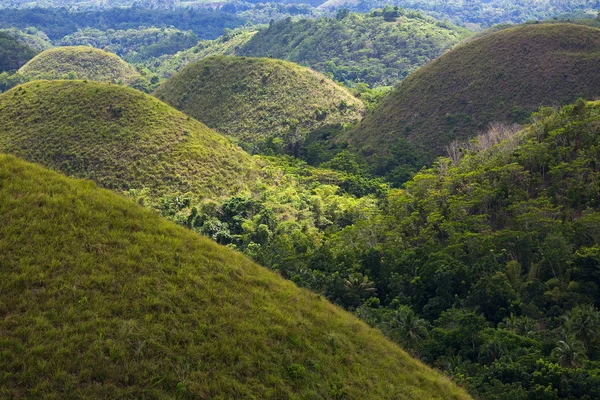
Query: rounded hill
[
  {"x": 257, "y": 99},
  {"x": 104, "y": 299},
  {"x": 80, "y": 62},
  {"x": 499, "y": 77},
  {"x": 120, "y": 138}
]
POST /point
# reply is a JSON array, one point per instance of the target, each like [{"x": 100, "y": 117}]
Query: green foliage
[
  {"x": 495, "y": 78},
  {"x": 475, "y": 12},
  {"x": 60, "y": 22},
  {"x": 497, "y": 248},
  {"x": 103, "y": 299},
  {"x": 79, "y": 62},
  {"x": 120, "y": 138},
  {"x": 258, "y": 100},
  {"x": 13, "y": 53},
  {"x": 133, "y": 45},
  {"x": 357, "y": 48},
  {"x": 226, "y": 45}
]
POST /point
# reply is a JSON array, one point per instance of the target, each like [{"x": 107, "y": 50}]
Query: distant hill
[
  {"x": 134, "y": 45},
  {"x": 13, "y": 53},
  {"x": 79, "y": 62},
  {"x": 377, "y": 48},
  {"x": 500, "y": 77},
  {"x": 478, "y": 12},
  {"x": 257, "y": 99},
  {"x": 226, "y": 45},
  {"x": 104, "y": 299},
  {"x": 120, "y": 138}
]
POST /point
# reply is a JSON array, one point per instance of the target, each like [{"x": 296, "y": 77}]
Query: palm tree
[
  {"x": 569, "y": 352},
  {"x": 408, "y": 327},
  {"x": 359, "y": 287},
  {"x": 584, "y": 323}
]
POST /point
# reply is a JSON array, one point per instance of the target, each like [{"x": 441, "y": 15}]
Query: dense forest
[
  {"x": 378, "y": 49},
  {"x": 60, "y": 22},
  {"x": 13, "y": 53},
  {"x": 133, "y": 45},
  {"x": 479, "y": 12}
]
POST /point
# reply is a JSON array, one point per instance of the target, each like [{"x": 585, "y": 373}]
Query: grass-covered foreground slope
[
  {"x": 254, "y": 99},
  {"x": 503, "y": 76},
  {"x": 80, "y": 62},
  {"x": 101, "y": 298},
  {"x": 120, "y": 138},
  {"x": 13, "y": 53}
]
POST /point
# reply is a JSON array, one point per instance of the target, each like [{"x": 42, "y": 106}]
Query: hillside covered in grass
[
  {"x": 79, "y": 62},
  {"x": 500, "y": 77},
  {"x": 101, "y": 298},
  {"x": 13, "y": 53},
  {"x": 258, "y": 100},
  {"x": 120, "y": 138}
]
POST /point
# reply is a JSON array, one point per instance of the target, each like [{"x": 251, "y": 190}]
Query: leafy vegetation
[
  {"x": 502, "y": 76},
  {"x": 133, "y": 45},
  {"x": 226, "y": 45},
  {"x": 479, "y": 12},
  {"x": 372, "y": 48},
  {"x": 79, "y": 62},
  {"x": 60, "y": 22},
  {"x": 266, "y": 104},
  {"x": 486, "y": 264},
  {"x": 120, "y": 138},
  {"x": 13, "y": 53},
  {"x": 103, "y": 299}
]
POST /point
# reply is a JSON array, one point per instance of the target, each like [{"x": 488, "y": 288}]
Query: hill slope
[
  {"x": 502, "y": 76},
  {"x": 103, "y": 299},
  {"x": 480, "y": 12},
  {"x": 120, "y": 138},
  {"x": 371, "y": 48},
  {"x": 13, "y": 53},
  {"x": 85, "y": 62},
  {"x": 259, "y": 99},
  {"x": 375, "y": 48}
]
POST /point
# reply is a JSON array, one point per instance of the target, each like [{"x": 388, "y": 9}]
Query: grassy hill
[
  {"x": 13, "y": 53},
  {"x": 120, "y": 138},
  {"x": 503, "y": 76},
  {"x": 80, "y": 62},
  {"x": 256, "y": 100},
  {"x": 101, "y": 298}
]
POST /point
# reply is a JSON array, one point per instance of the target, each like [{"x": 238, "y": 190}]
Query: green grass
[
  {"x": 84, "y": 62},
  {"x": 255, "y": 99},
  {"x": 100, "y": 298},
  {"x": 503, "y": 76},
  {"x": 120, "y": 138}
]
